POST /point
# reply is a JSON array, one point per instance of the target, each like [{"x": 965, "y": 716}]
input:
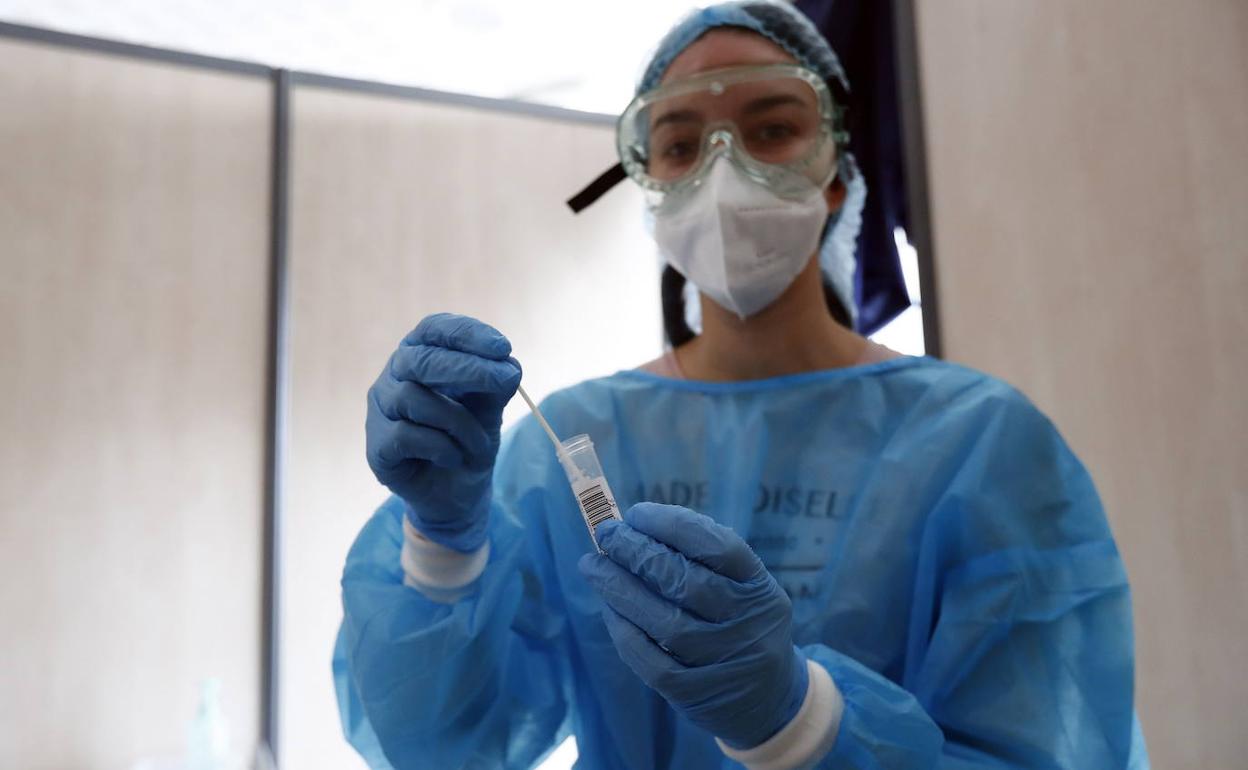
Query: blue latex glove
[
  {"x": 434, "y": 417},
  {"x": 696, "y": 615}
]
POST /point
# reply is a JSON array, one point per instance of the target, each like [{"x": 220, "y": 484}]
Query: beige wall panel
[
  {"x": 400, "y": 209},
  {"x": 133, "y": 229},
  {"x": 1089, "y": 184}
]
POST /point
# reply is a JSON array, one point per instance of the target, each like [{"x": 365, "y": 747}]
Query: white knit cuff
[
  {"x": 807, "y": 738},
  {"x": 440, "y": 573}
]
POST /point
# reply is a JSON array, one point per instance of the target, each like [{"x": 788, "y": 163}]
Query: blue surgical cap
[
  {"x": 779, "y": 22},
  {"x": 788, "y": 28}
]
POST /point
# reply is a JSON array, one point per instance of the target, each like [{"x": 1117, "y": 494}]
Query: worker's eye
[
  {"x": 775, "y": 132},
  {"x": 679, "y": 150},
  {"x": 674, "y": 155}
]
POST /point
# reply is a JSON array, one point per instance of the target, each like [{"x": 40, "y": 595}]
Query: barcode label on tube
[{"x": 596, "y": 505}]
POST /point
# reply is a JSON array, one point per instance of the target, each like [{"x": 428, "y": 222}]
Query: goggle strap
[{"x": 597, "y": 188}]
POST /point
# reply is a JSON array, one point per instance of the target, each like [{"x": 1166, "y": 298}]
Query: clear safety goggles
[{"x": 776, "y": 122}]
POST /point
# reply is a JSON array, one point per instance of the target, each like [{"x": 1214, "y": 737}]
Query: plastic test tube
[
  {"x": 589, "y": 485},
  {"x": 584, "y": 472}
]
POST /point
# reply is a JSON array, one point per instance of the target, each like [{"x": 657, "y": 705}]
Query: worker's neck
[{"x": 794, "y": 334}]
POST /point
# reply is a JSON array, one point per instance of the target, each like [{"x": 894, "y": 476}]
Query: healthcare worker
[{"x": 831, "y": 556}]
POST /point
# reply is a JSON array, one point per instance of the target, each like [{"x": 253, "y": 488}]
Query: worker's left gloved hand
[{"x": 696, "y": 615}]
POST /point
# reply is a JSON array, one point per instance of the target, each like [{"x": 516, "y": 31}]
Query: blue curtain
[{"x": 861, "y": 33}]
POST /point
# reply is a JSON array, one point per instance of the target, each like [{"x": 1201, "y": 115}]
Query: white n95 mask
[{"x": 737, "y": 241}]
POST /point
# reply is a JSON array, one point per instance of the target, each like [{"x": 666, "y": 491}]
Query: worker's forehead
[{"x": 725, "y": 47}]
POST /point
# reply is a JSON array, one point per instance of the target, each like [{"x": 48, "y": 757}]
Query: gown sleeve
[{"x": 477, "y": 682}]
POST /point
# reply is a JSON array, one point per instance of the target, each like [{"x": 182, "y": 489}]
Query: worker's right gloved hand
[{"x": 434, "y": 418}]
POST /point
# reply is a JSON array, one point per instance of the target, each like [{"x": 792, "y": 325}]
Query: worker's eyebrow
[
  {"x": 764, "y": 103},
  {"x": 677, "y": 116}
]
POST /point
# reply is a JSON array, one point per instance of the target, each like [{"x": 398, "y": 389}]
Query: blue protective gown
[{"x": 947, "y": 556}]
